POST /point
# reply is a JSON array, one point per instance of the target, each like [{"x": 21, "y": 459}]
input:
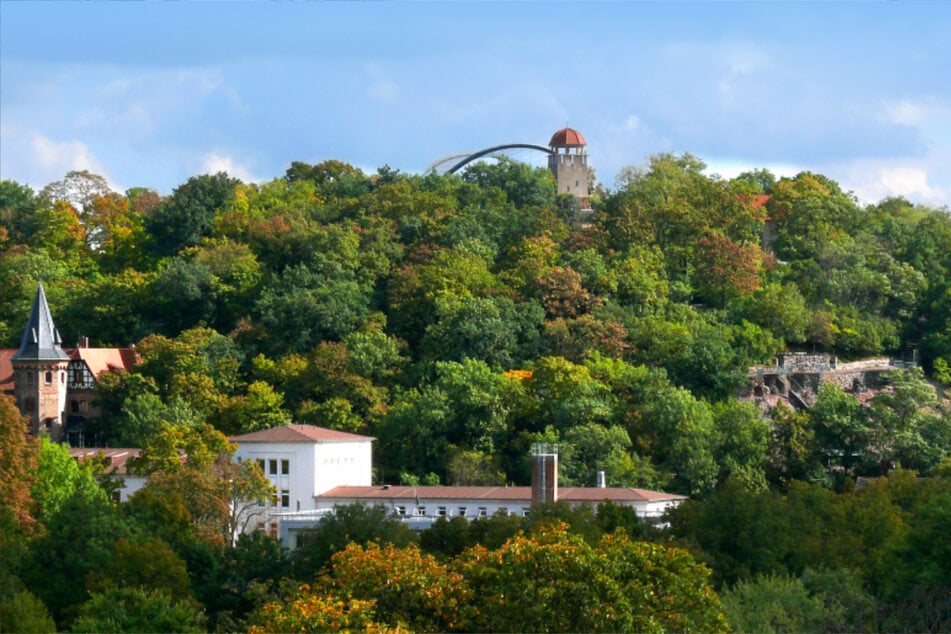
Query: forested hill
[{"x": 460, "y": 318}]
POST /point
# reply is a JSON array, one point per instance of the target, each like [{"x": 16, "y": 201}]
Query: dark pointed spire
[{"x": 41, "y": 340}]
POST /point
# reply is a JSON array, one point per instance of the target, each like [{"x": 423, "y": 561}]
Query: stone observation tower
[{"x": 568, "y": 161}]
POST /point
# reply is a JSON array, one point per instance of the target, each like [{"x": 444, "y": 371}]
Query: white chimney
[{"x": 602, "y": 480}]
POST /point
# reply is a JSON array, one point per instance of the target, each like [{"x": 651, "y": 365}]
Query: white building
[
  {"x": 304, "y": 461},
  {"x": 315, "y": 469}
]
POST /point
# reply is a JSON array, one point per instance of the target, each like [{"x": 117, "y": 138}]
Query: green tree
[
  {"x": 23, "y": 612},
  {"x": 906, "y": 425},
  {"x": 138, "y": 610},
  {"x": 186, "y": 216},
  {"x": 351, "y": 524},
  {"x": 778, "y": 603},
  {"x": 524, "y": 186}
]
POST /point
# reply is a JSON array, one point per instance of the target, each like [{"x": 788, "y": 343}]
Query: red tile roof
[
  {"x": 299, "y": 433},
  {"x": 567, "y": 137},
  {"x": 475, "y": 493},
  {"x": 102, "y": 360},
  {"x": 99, "y": 360},
  {"x": 117, "y": 457}
]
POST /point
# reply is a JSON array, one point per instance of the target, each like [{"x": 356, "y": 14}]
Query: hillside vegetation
[{"x": 459, "y": 319}]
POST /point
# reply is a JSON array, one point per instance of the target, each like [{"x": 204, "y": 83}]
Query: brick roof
[
  {"x": 299, "y": 433},
  {"x": 476, "y": 493},
  {"x": 116, "y": 457}
]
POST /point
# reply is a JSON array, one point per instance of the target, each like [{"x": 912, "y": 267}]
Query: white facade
[{"x": 303, "y": 461}]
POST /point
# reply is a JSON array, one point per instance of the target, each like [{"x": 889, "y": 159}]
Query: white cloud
[
  {"x": 921, "y": 113},
  {"x": 872, "y": 180},
  {"x": 730, "y": 168},
  {"x": 39, "y": 160},
  {"x": 214, "y": 162},
  {"x": 633, "y": 123}
]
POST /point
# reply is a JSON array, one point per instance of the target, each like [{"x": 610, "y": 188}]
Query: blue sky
[{"x": 150, "y": 93}]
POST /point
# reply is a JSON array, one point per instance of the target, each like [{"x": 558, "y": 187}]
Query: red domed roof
[{"x": 566, "y": 138}]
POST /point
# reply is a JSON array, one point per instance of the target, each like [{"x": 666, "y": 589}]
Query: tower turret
[
  {"x": 569, "y": 163},
  {"x": 39, "y": 367}
]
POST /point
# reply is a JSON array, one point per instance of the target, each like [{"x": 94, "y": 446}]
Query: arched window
[{"x": 49, "y": 377}]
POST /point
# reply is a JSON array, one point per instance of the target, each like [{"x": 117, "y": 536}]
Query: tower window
[{"x": 49, "y": 377}]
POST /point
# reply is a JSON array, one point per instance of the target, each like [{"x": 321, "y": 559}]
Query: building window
[
  {"x": 49, "y": 377},
  {"x": 74, "y": 407},
  {"x": 421, "y": 511},
  {"x": 285, "y": 498},
  {"x": 62, "y": 378},
  {"x": 441, "y": 511},
  {"x": 285, "y": 467},
  {"x": 483, "y": 511},
  {"x": 526, "y": 511},
  {"x": 261, "y": 464},
  {"x": 401, "y": 510},
  {"x": 462, "y": 511},
  {"x": 503, "y": 510},
  {"x": 272, "y": 466}
]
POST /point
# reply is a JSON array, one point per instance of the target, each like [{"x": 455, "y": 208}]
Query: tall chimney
[
  {"x": 544, "y": 473},
  {"x": 602, "y": 481}
]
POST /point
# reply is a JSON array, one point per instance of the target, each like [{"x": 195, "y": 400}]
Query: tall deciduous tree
[{"x": 19, "y": 455}]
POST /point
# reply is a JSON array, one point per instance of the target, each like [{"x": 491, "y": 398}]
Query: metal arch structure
[
  {"x": 452, "y": 159},
  {"x": 497, "y": 148}
]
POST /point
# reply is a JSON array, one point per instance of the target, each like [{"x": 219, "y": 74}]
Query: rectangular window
[
  {"x": 483, "y": 511},
  {"x": 462, "y": 511},
  {"x": 401, "y": 510},
  {"x": 272, "y": 466},
  {"x": 49, "y": 377},
  {"x": 421, "y": 511},
  {"x": 441, "y": 511},
  {"x": 285, "y": 467},
  {"x": 285, "y": 499},
  {"x": 526, "y": 511}
]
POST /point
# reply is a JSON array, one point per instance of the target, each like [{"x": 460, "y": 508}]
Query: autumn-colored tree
[
  {"x": 409, "y": 589},
  {"x": 19, "y": 454},
  {"x": 555, "y": 581},
  {"x": 563, "y": 294},
  {"x": 191, "y": 468},
  {"x": 307, "y": 610},
  {"x": 725, "y": 269}
]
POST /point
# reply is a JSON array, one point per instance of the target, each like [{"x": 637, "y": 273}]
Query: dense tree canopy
[{"x": 458, "y": 319}]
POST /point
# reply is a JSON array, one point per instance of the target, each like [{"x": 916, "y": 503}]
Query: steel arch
[{"x": 508, "y": 146}]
